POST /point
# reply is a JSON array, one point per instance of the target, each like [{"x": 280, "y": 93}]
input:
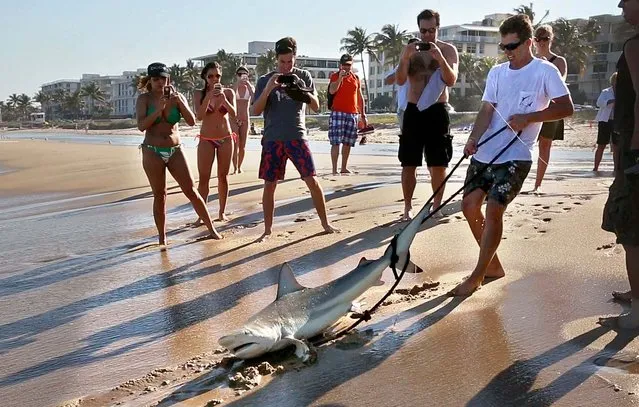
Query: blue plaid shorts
[{"x": 342, "y": 128}]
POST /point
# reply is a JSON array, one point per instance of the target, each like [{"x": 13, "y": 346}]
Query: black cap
[
  {"x": 158, "y": 69},
  {"x": 346, "y": 59},
  {"x": 285, "y": 46}
]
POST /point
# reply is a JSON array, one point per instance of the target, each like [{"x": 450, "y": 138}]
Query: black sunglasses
[
  {"x": 510, "y": 47},
  {"x": 428, "y": 30}
]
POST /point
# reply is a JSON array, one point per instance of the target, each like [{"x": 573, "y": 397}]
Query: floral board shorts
[
  {"x": 502, "y": 182},
  {"x": 275, "y": 154}
]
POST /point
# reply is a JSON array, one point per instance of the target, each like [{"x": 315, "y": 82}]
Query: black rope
[{"x": 366, "y": 314}]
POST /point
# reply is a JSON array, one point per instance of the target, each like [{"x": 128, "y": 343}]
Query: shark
[{"x": 299, "y": 313}]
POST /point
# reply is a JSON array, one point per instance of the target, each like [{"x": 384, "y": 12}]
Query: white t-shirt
[
  {"x": 402, "y": 92},
  {"x": 605, "y": 109},
  {"x": 516, "y": 91},
  {"x": 432, "y": 91}
]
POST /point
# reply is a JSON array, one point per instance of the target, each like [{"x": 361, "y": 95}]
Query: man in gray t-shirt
[{"x": 284, "y": 130}]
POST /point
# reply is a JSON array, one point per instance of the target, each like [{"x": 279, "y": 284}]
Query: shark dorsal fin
[
  {"x": 364, "y": 261},
  {"x": 287, "y": 282}
]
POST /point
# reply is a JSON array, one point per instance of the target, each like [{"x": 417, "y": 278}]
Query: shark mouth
[{"x": 244, "y": 346}]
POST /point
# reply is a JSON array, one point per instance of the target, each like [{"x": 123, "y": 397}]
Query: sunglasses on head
[
  {"x": 428, "y": 30},
  {"x": 542, "y": 39},
  {"x": 510, "y": 47},
  {"x": 213, "y": 75}
]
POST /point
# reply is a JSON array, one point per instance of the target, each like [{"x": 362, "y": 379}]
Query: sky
[{"x": 48, "y": 40}]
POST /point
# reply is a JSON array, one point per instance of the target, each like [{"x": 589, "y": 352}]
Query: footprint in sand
[
  {"x": 606, "y": 246},
  {"x": 547, "y": 219},
  {"x": 298, "y": 220}
]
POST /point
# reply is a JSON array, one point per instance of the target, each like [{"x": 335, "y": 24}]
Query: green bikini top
[{"x": 173, "y": 117}]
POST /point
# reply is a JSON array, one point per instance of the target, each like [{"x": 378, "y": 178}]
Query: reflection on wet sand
[{"x": 88, "y": 303}]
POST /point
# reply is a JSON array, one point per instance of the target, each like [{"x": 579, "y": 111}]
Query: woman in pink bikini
[
  {"x": 213, "y": 106},
  {"x": 244, "y": 93}
]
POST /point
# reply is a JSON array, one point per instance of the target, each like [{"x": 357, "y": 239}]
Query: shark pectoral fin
[
  {"x": 302, "y": 351},
  {"x": 364, "y": 261},
  {"x": 287, "y": 282},
  {"x": 413, "y": 268}
]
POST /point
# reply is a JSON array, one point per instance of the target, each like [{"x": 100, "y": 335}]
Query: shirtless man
[{"x": 425, "y": 133}]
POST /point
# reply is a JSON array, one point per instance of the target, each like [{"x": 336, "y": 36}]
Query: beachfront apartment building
[
  {"x": 124, "y": 94},
  {"x": 480, "y": 38},
  {"x": 319, "y": 67},
  {"x": 602, "y": 64},
  {"x": 53, "y": 106}
]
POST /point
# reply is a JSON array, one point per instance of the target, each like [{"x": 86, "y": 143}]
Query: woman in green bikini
[
  {"x": 213, "y": 106},
  {"x": 158, "y": 115}
]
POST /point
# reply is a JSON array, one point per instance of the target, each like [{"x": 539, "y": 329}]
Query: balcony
[
  {"x": 572, "y": 78},
  {"x": 468, "y": 38}
]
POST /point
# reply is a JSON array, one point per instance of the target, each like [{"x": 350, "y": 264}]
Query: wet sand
[{"x": 90, "y": 304}]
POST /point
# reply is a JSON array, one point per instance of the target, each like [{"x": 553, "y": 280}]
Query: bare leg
[
  {"x": 599, "y": 155},
  {"x": 235, "y": 129},
  {"x": 205, "y": 160},
  {"x": 320, "y": 203},
  {"x": 542, "y": 163},
  {"x": 155, "y": 170},
  {"x": 630, "y": 319},
  {"x": 268, "y": 204},
  {"x": 490, "y": 239},
  {"x": 179, "y": 168},
  {"x": 242, "y": 138},
  {"x": 409, "y": 182},
  {"x": 346, "y": 152},
  {"x": 471, "y": 207},
  {"x": 437, "y": 177},
  {"x": 334, "y": 156},
  {"x": 224, "y": 155}
]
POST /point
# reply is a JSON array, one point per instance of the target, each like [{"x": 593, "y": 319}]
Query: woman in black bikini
[
  {"x": 158, "y": 117},
  {"x": 213, "y": 105},
  {"x": 550, "y": 131}
]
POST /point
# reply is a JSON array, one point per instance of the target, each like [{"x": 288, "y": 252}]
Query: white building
[
  {"x": 124, "y": 94},
  {"x": 52, "y": 89},
  {"x": 320, "y": 68}
]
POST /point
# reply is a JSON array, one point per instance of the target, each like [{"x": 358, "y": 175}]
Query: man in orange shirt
[{"x": 348, "y": 101}]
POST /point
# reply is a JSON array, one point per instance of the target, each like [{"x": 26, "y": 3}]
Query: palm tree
[
  {"x": 573, "y": 42},
  {"x": 24, "y": 105},
  {"x": 357, "y": 42},
  {"x": 72, "y": 104},
  {"x": 229, "y": 63},
  {"x": 94, "y": 93},
  {"x": 266, "y": 63},
  {"x": 178, "y": 77},
  {"x": 528, "y": 10},
  {"x": 192, "y": 78},
  {"x": 391, "y": 41}
]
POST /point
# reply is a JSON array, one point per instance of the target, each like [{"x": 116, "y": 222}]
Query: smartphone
[
  {"x": 422, "y": 46},
  {"x": 244, "y": 77},
  {"x": 167, "y": 91},
  {"x": 285, "y": 79}
]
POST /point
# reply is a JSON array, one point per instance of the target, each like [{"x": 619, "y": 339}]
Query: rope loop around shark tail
[{"x": 394, "y": 257}]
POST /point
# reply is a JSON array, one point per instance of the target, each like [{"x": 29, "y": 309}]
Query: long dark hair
[{"x": 203, "y": 76}]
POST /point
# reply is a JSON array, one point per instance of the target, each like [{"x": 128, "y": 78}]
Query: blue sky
[{"x": 47, "y": 40}]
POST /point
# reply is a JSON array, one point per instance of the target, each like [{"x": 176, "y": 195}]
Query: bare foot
[
  {"x": 345, "y": 171},
  {"x": 215, "y": 235},
  {"x": 234, "y": 171},
  {"x": 328, "y": 228},
  {"x": 266, "y": 236},
  {"x": 622, "y": 296},
  {"x": 222, "y": 218},
  {"x": 495, "y": 272},
  {"x": 239, "y": 171},
  {"x": 335, "y": 172},
  {"x": 408, "y": 214},
  {"x": 465, "y": 288},
  {"x": 197, "y": 223}
]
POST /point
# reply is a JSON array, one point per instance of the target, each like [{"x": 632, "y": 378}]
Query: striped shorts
[{"x": 342, "y": 128}]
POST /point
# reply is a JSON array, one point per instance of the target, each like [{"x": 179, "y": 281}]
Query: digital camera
[
  {"x": 422, "y": 46},
  {"x": 286, "y": 79}
]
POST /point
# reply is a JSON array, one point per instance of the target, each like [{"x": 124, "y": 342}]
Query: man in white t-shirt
[{"x": 518, "y": 92}]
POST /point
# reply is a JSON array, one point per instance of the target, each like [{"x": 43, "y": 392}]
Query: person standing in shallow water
[
  {"x": 244, "y": 92},
  {"x": 158, "y": 116},
  {"x": 605, "y": 122},
  {"x": 621, "y": 213},
  {"x": 550, "y": 131}
]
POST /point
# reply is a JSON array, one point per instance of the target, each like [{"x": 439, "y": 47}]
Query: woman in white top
[
  {"x": 243, "y": 94},
  {"x": 606, "y": 105}
]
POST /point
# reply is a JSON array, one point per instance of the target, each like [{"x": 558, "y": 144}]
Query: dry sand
[{"x": 530, "y": 335}]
